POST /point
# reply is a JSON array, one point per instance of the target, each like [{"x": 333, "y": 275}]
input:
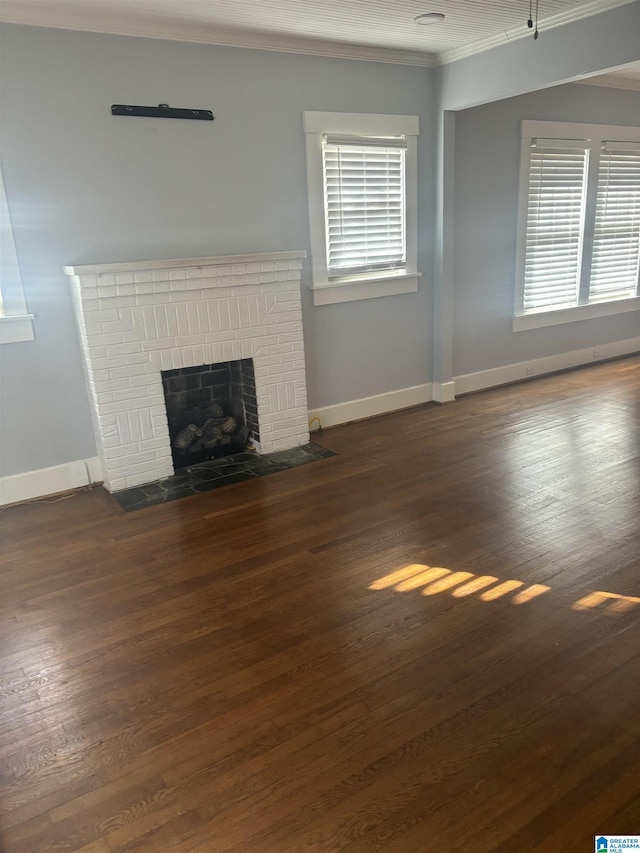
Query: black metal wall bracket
[{"x": 161, "y": 111}]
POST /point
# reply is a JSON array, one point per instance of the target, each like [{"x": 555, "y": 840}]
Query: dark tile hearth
[{"x": 218, "y": 473}]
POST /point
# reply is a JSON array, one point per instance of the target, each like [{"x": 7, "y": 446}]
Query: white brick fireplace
[{"x": 138, "y": 319}]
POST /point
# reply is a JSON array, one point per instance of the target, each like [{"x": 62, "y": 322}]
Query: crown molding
[
  {"x": 222, "y": 36},
  {"x": 586, "y": 10},
  {"x": 14, "y": 13}
]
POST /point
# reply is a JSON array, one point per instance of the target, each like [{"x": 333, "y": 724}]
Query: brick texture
[{"x": 135, "y": 324}]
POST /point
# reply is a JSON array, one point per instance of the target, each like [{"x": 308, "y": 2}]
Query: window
[
  {"x": 15, "y": 324},
  {"x": 579, "y": 240},
  {"x": 616, "y": 237},
  {"x": 364, "y": 204},
  {"x": 362, "y": 181}
]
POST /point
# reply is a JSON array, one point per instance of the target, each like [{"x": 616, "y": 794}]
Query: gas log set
[
  {"x": 212, "y": 410},
  {"x": 217, "y": 431},
  {"x": 208, "y": 434}
]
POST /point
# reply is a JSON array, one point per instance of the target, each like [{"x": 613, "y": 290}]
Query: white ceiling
[{"x": 374, "y": 29}]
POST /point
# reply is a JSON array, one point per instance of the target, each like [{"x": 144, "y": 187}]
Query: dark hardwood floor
[{"x": 427, "y": 642}]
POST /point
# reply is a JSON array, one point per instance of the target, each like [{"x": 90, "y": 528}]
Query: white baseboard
[
  {"x": 444, "y": 392},
  {"x": 367, "y": 407},
  {"x": 49, "y": 481},
  {"x": 73, "y": 475},
  {"x": 539, "y": 366}
]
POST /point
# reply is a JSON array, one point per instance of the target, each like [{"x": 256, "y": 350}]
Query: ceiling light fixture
[{"x": 429, "y": 18}]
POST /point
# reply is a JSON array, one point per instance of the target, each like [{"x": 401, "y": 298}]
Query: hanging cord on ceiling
[{"x": 530, "y": 18}]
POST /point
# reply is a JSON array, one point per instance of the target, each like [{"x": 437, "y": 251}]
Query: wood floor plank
[{"x": 430, "y": 640}]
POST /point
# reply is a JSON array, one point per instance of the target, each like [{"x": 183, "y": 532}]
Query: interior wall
[
  {"x": 487, "y": 160},
  {"x": 562, "y": 54},
  {"x": 84, "y": 186}
]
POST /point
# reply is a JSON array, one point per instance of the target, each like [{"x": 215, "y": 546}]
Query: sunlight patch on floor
[
  {"x": 477, "y": 584},
  {"x": 422, "y": 578},
  {"x": 450, "y": 580},
  {"x": 503, "y": 588},
  {"x": 612, "y": 603},
  {"x": 530, "y": 592},
  {"x": 433, "y": 580},
  {"x": 398, "y": 576}
]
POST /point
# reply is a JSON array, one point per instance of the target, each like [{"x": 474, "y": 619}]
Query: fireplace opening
[{"x": 212, "y": 410}]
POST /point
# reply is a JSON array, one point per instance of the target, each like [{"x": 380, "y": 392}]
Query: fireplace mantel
[
  {"x": 139, "y": 318},
  {"x": 182, "y": 263}
]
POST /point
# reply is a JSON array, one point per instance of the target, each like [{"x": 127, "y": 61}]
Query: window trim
[
  {"x": 326, "y": 291},
  {"x": 16, "y": 324},
  {"x": 592, "y": 135},
  {"x": 523, "y": 322}
]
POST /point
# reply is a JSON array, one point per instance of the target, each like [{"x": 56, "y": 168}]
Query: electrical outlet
[
  {"x": 596, "y": 353},
  {"x": 79, "y": 474},
  {"x": 530, "y": 371}
]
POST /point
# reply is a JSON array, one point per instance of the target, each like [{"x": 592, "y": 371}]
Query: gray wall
[
  {"x": 85, "y": 187},
  {"x": 561, "y": 54},
  {"x": 486, "y": 192}
]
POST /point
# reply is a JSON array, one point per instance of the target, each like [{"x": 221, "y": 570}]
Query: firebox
[{"x": 212, "y": 410}]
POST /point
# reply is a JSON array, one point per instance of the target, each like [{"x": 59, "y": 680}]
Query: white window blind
[
  {"x": 555, "y": 220},
  {"x": 616, "y": 238},
  {"x": 364, "y": 184}
]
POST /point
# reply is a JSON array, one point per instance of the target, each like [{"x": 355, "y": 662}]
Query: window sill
[
  {"x": 16, "y": 328},
  {"x": 351, "y": 290},
  {"x": 523, "y": 322}
]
